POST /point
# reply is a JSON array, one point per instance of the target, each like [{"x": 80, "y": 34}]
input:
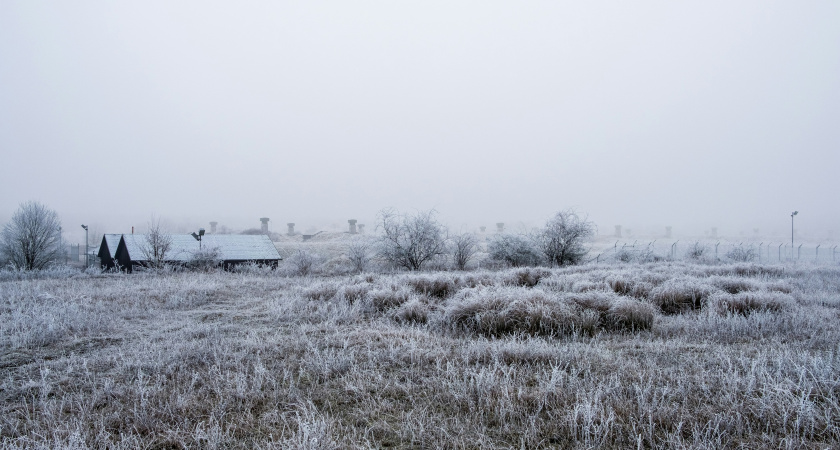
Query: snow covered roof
[
  {"x": 112, "y": 241},
  {"x": 232, "y": 247}
]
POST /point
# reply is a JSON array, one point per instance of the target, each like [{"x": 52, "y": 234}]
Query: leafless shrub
[
  {"x": 624, "y": 255},
  {"x": 464, "y": 247},
  {"x": 337, "y": 266},
  {"x": 741, "y": 254},
  {"x": 207, "y": 258},
  {"x": 697, "y": 252},
  {"x": 252, "y": 268},
  {"x": 410, "y": 241},
  {"x": 515, "y": 250},
  {"x": 302, "y": 262},
  {"x": 360, "y": 253}
]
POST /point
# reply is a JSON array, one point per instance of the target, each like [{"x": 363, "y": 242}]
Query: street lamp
[
  {"x": 86, "y": 245},
  {"x": 198, "y": 236},
  {"x": 791, "y": 232}
]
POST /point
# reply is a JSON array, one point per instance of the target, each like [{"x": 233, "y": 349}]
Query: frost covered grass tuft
[{"x": 651, "y": 355}]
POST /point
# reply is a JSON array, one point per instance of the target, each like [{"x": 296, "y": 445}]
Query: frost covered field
[{"x": 673, "y": 355}]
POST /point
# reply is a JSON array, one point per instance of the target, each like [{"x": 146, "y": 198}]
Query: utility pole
[
  {"x": 791, "y": 232},
  {"x": 86, "y": 245}
]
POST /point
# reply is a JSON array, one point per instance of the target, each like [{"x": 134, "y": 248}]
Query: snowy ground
[{"x": 672, "y": 355}]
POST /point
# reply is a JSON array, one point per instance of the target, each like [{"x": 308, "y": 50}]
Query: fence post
[
  {"x": 716, "y": 251},
  {"x": 799, "y": 252},
  {"x": 780, "y": 252},
  {"x": 817, "y": 256}
]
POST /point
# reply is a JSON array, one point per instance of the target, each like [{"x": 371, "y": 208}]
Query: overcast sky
[{"x": 646, "y": 114}]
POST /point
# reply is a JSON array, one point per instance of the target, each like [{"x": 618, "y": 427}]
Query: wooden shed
[{"x": 108, "y": 250}]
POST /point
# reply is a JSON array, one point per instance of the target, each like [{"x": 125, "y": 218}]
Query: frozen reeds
[{"x": 660, "y": 355}]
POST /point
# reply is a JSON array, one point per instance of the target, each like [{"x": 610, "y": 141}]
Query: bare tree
[
  {"x": 360, "y": 253},
  {"x": 562, "y": 241},
  {"x": 464, "y": 247},
  {"x": 410, "y": 241},
  {"x": 31, "y": 239},
  {"x": 516, "y": 250},
  {"x": 157, "y": 244}
]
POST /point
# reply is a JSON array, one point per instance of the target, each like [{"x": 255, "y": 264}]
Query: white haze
[{"x": 644, "y": 114}]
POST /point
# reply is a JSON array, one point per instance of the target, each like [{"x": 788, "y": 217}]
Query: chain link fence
[{"x": 716, "y": 250}]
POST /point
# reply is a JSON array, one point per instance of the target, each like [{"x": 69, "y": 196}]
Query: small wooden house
[{"x": 108, "y": 250}]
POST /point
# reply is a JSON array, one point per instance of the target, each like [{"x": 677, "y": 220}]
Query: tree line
[{"x": 404, "y": 241}]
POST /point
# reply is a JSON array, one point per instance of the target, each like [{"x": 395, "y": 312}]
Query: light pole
[
  {"x": 198, "y": 237},
  {"x": 86, "y": 245},
  {"x": 791, "y": 232}
]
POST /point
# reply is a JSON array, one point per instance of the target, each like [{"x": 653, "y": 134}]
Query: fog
[{"x": 642, "y": 114}]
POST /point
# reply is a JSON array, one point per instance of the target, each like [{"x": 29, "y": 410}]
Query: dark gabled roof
[
  {"x": 111, "y": 241},
  {"x": 232, "y": 247}
]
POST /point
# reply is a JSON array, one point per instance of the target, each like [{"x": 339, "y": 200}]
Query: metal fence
[{"x": 717, "y": 250}]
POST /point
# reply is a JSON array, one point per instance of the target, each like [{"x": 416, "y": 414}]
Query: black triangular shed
[{"x": 108, "y": 249}]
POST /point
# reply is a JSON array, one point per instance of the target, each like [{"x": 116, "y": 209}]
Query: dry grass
[{"x": 644, "y": 356}]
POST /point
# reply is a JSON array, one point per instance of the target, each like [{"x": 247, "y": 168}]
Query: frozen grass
[{"x": 659, "y": 355}]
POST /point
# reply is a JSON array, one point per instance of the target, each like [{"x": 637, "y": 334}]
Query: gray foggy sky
[{"x": 645, "y": 114}]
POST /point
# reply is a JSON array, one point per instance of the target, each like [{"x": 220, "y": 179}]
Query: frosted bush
[
  {"x": 630, "y": 314},
  {"x": 413, "y": 311},
  {"x": 681, "y": 295},
  {"x": 526, "y": 276},
  {"x": 746, "y": 303},
  {"x": 386, "y": 299},
  {"x": 440, "y": 285},
  {"x": 499, "y": 311}
]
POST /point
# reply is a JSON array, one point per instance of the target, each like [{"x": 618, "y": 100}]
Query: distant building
[{"x": 232, "y": 249}]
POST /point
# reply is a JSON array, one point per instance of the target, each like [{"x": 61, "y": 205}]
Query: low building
[
  {"x": 107, "y": 250},
  {"x": 228, "y": 249}
]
